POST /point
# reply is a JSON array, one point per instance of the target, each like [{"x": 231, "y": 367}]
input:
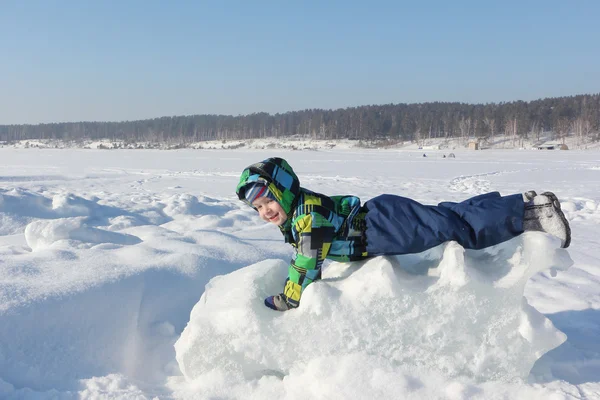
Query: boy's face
[{"x": 270, "y": 210}]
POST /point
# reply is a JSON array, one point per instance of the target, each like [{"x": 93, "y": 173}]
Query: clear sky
[{"x": 72, "y": 60}]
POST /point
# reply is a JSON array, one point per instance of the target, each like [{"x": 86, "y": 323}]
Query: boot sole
[{"x": 552, "y": 197}]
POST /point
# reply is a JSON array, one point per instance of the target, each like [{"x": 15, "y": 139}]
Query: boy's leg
[{"x": 398, "y": 225}]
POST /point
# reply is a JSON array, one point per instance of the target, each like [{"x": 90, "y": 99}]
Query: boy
[{"x": 339, "y": 228}]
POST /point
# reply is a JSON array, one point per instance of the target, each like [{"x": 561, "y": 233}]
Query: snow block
[{"x": 464, "y": 317}]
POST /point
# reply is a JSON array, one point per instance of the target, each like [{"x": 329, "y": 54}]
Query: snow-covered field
[{"x": 137, "y": 274}]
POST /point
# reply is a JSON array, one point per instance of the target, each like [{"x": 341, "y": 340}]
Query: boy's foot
[
  {"x": 529, "y": 195},
  {"x": 543, "y": 213}
]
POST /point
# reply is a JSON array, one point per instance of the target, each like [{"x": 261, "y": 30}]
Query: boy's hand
[{"x": 277, "y": 303}]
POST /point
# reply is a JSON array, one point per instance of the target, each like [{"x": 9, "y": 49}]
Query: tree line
[{"x": 571, "y": 115}]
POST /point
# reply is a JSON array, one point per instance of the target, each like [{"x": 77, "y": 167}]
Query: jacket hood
[{"x": 280, "y": 178}]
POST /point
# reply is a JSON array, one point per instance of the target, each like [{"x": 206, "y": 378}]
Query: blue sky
[{"x": 67, "y": 60}]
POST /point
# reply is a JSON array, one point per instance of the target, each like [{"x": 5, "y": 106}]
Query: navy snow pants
[{"x": 398, "y": 225}]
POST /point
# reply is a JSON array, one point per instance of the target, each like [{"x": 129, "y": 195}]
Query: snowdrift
[
  {"x": 369, "y": 326},
  {"x": 98, "y": 290}
]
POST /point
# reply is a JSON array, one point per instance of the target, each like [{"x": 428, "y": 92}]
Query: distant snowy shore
[{"x": 303, "y": 143}]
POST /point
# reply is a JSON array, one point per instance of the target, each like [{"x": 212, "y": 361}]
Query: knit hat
[{"x": 257, "y": 189}]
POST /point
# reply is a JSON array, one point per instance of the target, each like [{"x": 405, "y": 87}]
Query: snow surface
[{"x": 136, "y": 274}]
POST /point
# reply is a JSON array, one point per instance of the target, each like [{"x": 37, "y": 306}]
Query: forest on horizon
[{"x": 570, "y": 115}]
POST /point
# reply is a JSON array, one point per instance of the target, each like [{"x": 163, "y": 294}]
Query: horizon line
[{"x": 305, "y": 109}]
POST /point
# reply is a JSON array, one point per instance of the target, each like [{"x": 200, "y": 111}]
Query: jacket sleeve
[{"x": 313, "y": 234}]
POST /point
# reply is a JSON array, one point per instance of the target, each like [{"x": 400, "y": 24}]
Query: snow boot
[
  {"x": 543, "y": 214},
  {"x": 529, "y": 195}
]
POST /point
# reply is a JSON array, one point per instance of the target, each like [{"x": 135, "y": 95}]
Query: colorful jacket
[{"x": 318, "y": 226}]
